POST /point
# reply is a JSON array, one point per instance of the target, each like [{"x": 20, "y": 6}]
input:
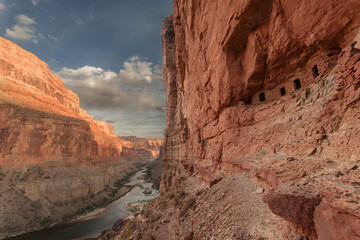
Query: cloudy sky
[{"x": 107, "y": 51}]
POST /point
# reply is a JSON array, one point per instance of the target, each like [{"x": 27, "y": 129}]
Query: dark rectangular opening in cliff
[
  {"x": 262, "y": 97},
  {"x": 315, "y": 71},
  {"x": 282, "y": 91},
  {"x": 297, "y": 83},
  {"x": 248, "y": 101}
]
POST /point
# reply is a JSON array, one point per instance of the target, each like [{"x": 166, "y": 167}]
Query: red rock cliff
[
  {"x": 263, "y": 108},
  {"x": 41, "y": 119},
  {"x": 151, "y": 144}
]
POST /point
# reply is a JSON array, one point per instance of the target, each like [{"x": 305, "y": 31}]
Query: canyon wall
[
  {"x": 152, "y": 144},
  {"x": 263, "y": 122},
  {"x": 54, "y": 157},
  {"x": 38, "y": 114}
]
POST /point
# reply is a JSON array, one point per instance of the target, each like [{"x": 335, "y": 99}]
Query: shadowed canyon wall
[
  {"x": 54, "y": 157},
  {"x": 263, "y": 122}
]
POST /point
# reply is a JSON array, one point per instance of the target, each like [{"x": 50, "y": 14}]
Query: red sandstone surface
[{"x": 266, "y": 93}]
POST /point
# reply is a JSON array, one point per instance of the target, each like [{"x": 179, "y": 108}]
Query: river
[{"x": 94, "y": 226}]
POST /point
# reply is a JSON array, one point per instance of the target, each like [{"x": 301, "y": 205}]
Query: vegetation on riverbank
[
  {"x": 113, "y": 195},
  {"x": 150, "y": 178},
  {"x": 138, "y": 206}
]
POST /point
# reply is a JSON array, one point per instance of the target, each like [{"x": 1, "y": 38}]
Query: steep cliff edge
[
  {"x": 54, "y": 158},
  {"x": 263, "y": 122}
]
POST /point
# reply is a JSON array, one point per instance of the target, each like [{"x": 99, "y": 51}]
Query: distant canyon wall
[
  {"x": 54, "y": 157},
  {"x": 41, "y": 120},
  {"x": 152, "y": 144}
]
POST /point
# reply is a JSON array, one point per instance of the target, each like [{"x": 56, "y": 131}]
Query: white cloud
[
  {"x": 83, "y": 20},
  {"x": 52, "y": 38},
  {"x": 79, "y": 21},
  {"x": 129, "y": 89},
  {"x": 41, "y": 36},
  {"x": 47, "y": 37},
  {"x": 136, "y": 71},
  {"x": 84, "y": 73},
  {"x": 23, "y": 19},
  {"x": 53, "y": 60},
  {"x": 24, "y": 29},
  {"x": 36, "y": 2},
  {"x": 2, "y": 6},
  {"x": 132, "y": 98}
]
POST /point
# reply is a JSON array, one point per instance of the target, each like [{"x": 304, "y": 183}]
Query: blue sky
[{"x": 107, "y": 51}]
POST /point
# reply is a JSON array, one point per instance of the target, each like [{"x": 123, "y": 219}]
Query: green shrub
[
  {"x": 86, "y": 209},
  {"x": 114, "y": 192},
  {"x": 133, "y": 209},
  {"x": 101, "y": 203}
]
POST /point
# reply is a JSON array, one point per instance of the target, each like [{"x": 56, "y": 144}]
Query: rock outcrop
[
  {"x": 262, "y": 96},
  {"x": 54, "y": 157}
]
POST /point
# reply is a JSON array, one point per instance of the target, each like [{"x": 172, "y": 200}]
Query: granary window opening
[
  {"x": 297, "y": 83},
  {"x": 248, "y": 101},
  {"x": 262, "y": 97},
  {"x": 315, "y": 71},
  {"x": 282, "y": 91}
]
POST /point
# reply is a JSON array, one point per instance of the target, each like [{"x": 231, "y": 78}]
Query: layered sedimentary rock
[
  {"x": 38, "y": 113},
  {"x": 263, "y": 122},
  {"x": 152, "y": 144},
  {"x": 54, "y": 157}
]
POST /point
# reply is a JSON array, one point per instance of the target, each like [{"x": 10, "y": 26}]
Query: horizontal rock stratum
[
  {"x": 54, "y": 157},
  {"x": 263, "y": 122}
]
